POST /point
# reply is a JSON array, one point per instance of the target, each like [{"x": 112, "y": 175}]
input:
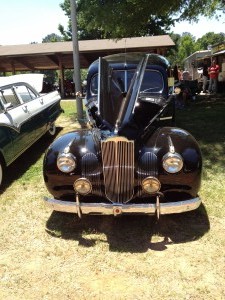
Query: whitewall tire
[
  {"x": 52, "y": 130},
  {"x": 1, "y": 173}
]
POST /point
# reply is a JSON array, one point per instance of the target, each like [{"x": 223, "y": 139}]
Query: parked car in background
[
  {"x": 25, "y": 115},
  {"x": 132, "y": 159}
]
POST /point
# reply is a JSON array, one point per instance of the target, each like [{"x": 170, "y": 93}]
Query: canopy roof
[{"x": 59, "y": 55}]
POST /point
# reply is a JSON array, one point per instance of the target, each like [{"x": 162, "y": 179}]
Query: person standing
[
  {"x": 186, "y": 75},
  {"x": 213, "y": 77},
  {"x": 175, "y": 73},
  {"x": 205, "y": 76}
]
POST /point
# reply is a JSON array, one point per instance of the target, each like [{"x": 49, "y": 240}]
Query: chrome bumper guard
[{"x": 119, "y": 208}]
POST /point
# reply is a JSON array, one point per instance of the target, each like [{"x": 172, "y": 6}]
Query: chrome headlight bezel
[
  {"x": 172, "y": 162},
  {"x": 151, "y": 182},
  {"x": 66, "y": 162},
  {"x": 85, "y": 184}
]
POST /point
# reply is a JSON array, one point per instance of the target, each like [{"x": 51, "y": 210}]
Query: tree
[
  {"x": 127, "y": 18},
  {"x": 210, "y": 38},
  {"x": 185, "y": 45},
  {"x": 51, "y": 76},
  {"x": 172, "y": 52},
  {"x": 51, "y": 38}
]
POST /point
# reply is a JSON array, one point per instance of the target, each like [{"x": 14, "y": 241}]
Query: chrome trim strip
[
  {"x": 119, "y": 208},
  {"x": 166, "y": 118}
]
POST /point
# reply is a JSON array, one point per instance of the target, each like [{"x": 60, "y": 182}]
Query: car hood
[{"x": 116, "y": 108}]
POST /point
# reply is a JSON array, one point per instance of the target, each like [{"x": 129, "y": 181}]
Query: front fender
[
  {"x": 78, "y": 143},
  {"x": 184, "y": 143}
]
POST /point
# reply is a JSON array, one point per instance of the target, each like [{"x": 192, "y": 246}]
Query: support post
[{"x": 76, "y": 62}]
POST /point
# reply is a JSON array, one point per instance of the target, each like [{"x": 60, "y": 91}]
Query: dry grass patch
[{"x": 50, "y": 255}]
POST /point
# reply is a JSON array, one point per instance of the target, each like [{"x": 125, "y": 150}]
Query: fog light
[
  {"x": 151, "y": 185},
  {"x": 82, "y": 186}
]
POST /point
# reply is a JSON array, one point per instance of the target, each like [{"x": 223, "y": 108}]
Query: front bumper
[{"x": 120, "y": 208}]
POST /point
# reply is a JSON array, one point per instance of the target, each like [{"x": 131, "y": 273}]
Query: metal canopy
[{"x": 59, "y": 55}]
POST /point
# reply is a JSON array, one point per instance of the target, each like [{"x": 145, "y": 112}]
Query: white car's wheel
[
  {"x": 1, "y": 173},
  {"x": 52, "y": 130}
]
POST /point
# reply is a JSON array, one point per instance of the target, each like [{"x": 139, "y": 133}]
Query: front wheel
[
  {"x": 52, "y": 129},
  {"x": 1, "y": 173}
]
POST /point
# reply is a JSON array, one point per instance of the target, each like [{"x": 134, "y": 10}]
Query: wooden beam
[
  {"x": 54, "y": 59},
  {"x": 24, "y": 62}
]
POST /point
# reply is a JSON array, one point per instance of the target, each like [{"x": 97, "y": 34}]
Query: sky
[
  {"x": 26, "y": 21},
  {"x": 203, "y": 26}
]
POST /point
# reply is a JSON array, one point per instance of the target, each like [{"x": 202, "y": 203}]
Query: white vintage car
[{"x": 25, "y": 115}]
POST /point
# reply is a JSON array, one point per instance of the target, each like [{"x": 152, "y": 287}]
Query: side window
[
  {"x": 1, "y": 97},
  {"x": 8, "y": 97},
  {"x": 152, "y": 82},
  {"x": 1, "y": 102},
  {"x": 25, "y": 93},
  {"x": 94, "y": 85}
]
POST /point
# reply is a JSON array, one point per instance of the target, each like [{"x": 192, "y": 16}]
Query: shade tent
[{"x": 59, "y": 55}]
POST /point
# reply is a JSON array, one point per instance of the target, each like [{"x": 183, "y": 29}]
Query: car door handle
[
  {"x": 41, "y": 100},
  {"x": 25, "y": 108}
]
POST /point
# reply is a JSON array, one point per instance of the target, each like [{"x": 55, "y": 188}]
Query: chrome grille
[{"x": 118, "y": 168}]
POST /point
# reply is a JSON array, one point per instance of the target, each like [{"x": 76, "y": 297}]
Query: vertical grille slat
[{"x": 118, "y": 168}]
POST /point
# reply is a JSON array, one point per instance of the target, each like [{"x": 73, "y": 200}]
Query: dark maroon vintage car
[{"x": 131, "y": 159}]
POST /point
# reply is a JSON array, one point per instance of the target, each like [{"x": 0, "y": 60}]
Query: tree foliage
[
  {"x": 127, "y": 18},
  {"x": 210, "y": 39},
  {"x": 99, "y": 19},
  {"x": 186, "y": 44},
  {"x": 51, "y": 38}
]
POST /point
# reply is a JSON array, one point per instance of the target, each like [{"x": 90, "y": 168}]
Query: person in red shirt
[{"x": 213, "y": 77}]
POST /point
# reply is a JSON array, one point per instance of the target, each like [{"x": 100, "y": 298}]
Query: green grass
[
  {"x": 70, "y": 107},
  {"x": 51, "y": 255},
  {"x": 206, "y": 122}
]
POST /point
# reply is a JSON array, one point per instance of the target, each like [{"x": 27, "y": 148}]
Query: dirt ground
[{"x": 49, "y": 255}]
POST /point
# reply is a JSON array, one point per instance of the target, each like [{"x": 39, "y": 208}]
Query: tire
[
  {"x": 1, "y": 173},
  {"x": 52, "y": 130}
]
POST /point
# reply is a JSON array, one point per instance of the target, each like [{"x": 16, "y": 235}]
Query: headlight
[
  {"x": 172, "y": 162},
  {"x": 151, "y": 185},
  {"x": 66, "y": 162},
  {"x": 82, "y": 186}
]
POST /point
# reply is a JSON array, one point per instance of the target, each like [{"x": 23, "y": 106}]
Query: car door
[
  {"x": 43, "y": 109},
  {"x": 17, "y": 118},
  {"x": 33, "y": 103},
  {"x": 6, "y": 146}
]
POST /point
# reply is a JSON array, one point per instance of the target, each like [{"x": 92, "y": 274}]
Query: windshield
[
  {"x": 120, "y": 91},
  {"x": 152, "y": 81},
  {"x": 123, "y": 78}
]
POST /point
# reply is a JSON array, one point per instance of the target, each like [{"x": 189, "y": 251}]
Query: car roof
[{"x": 131, "y": 59}]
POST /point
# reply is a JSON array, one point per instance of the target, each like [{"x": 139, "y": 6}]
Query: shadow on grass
[
  {"x": 205, "y": 121},
  {"x": 26, "y": 160},
  {"x": 130, "y": 233}
]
